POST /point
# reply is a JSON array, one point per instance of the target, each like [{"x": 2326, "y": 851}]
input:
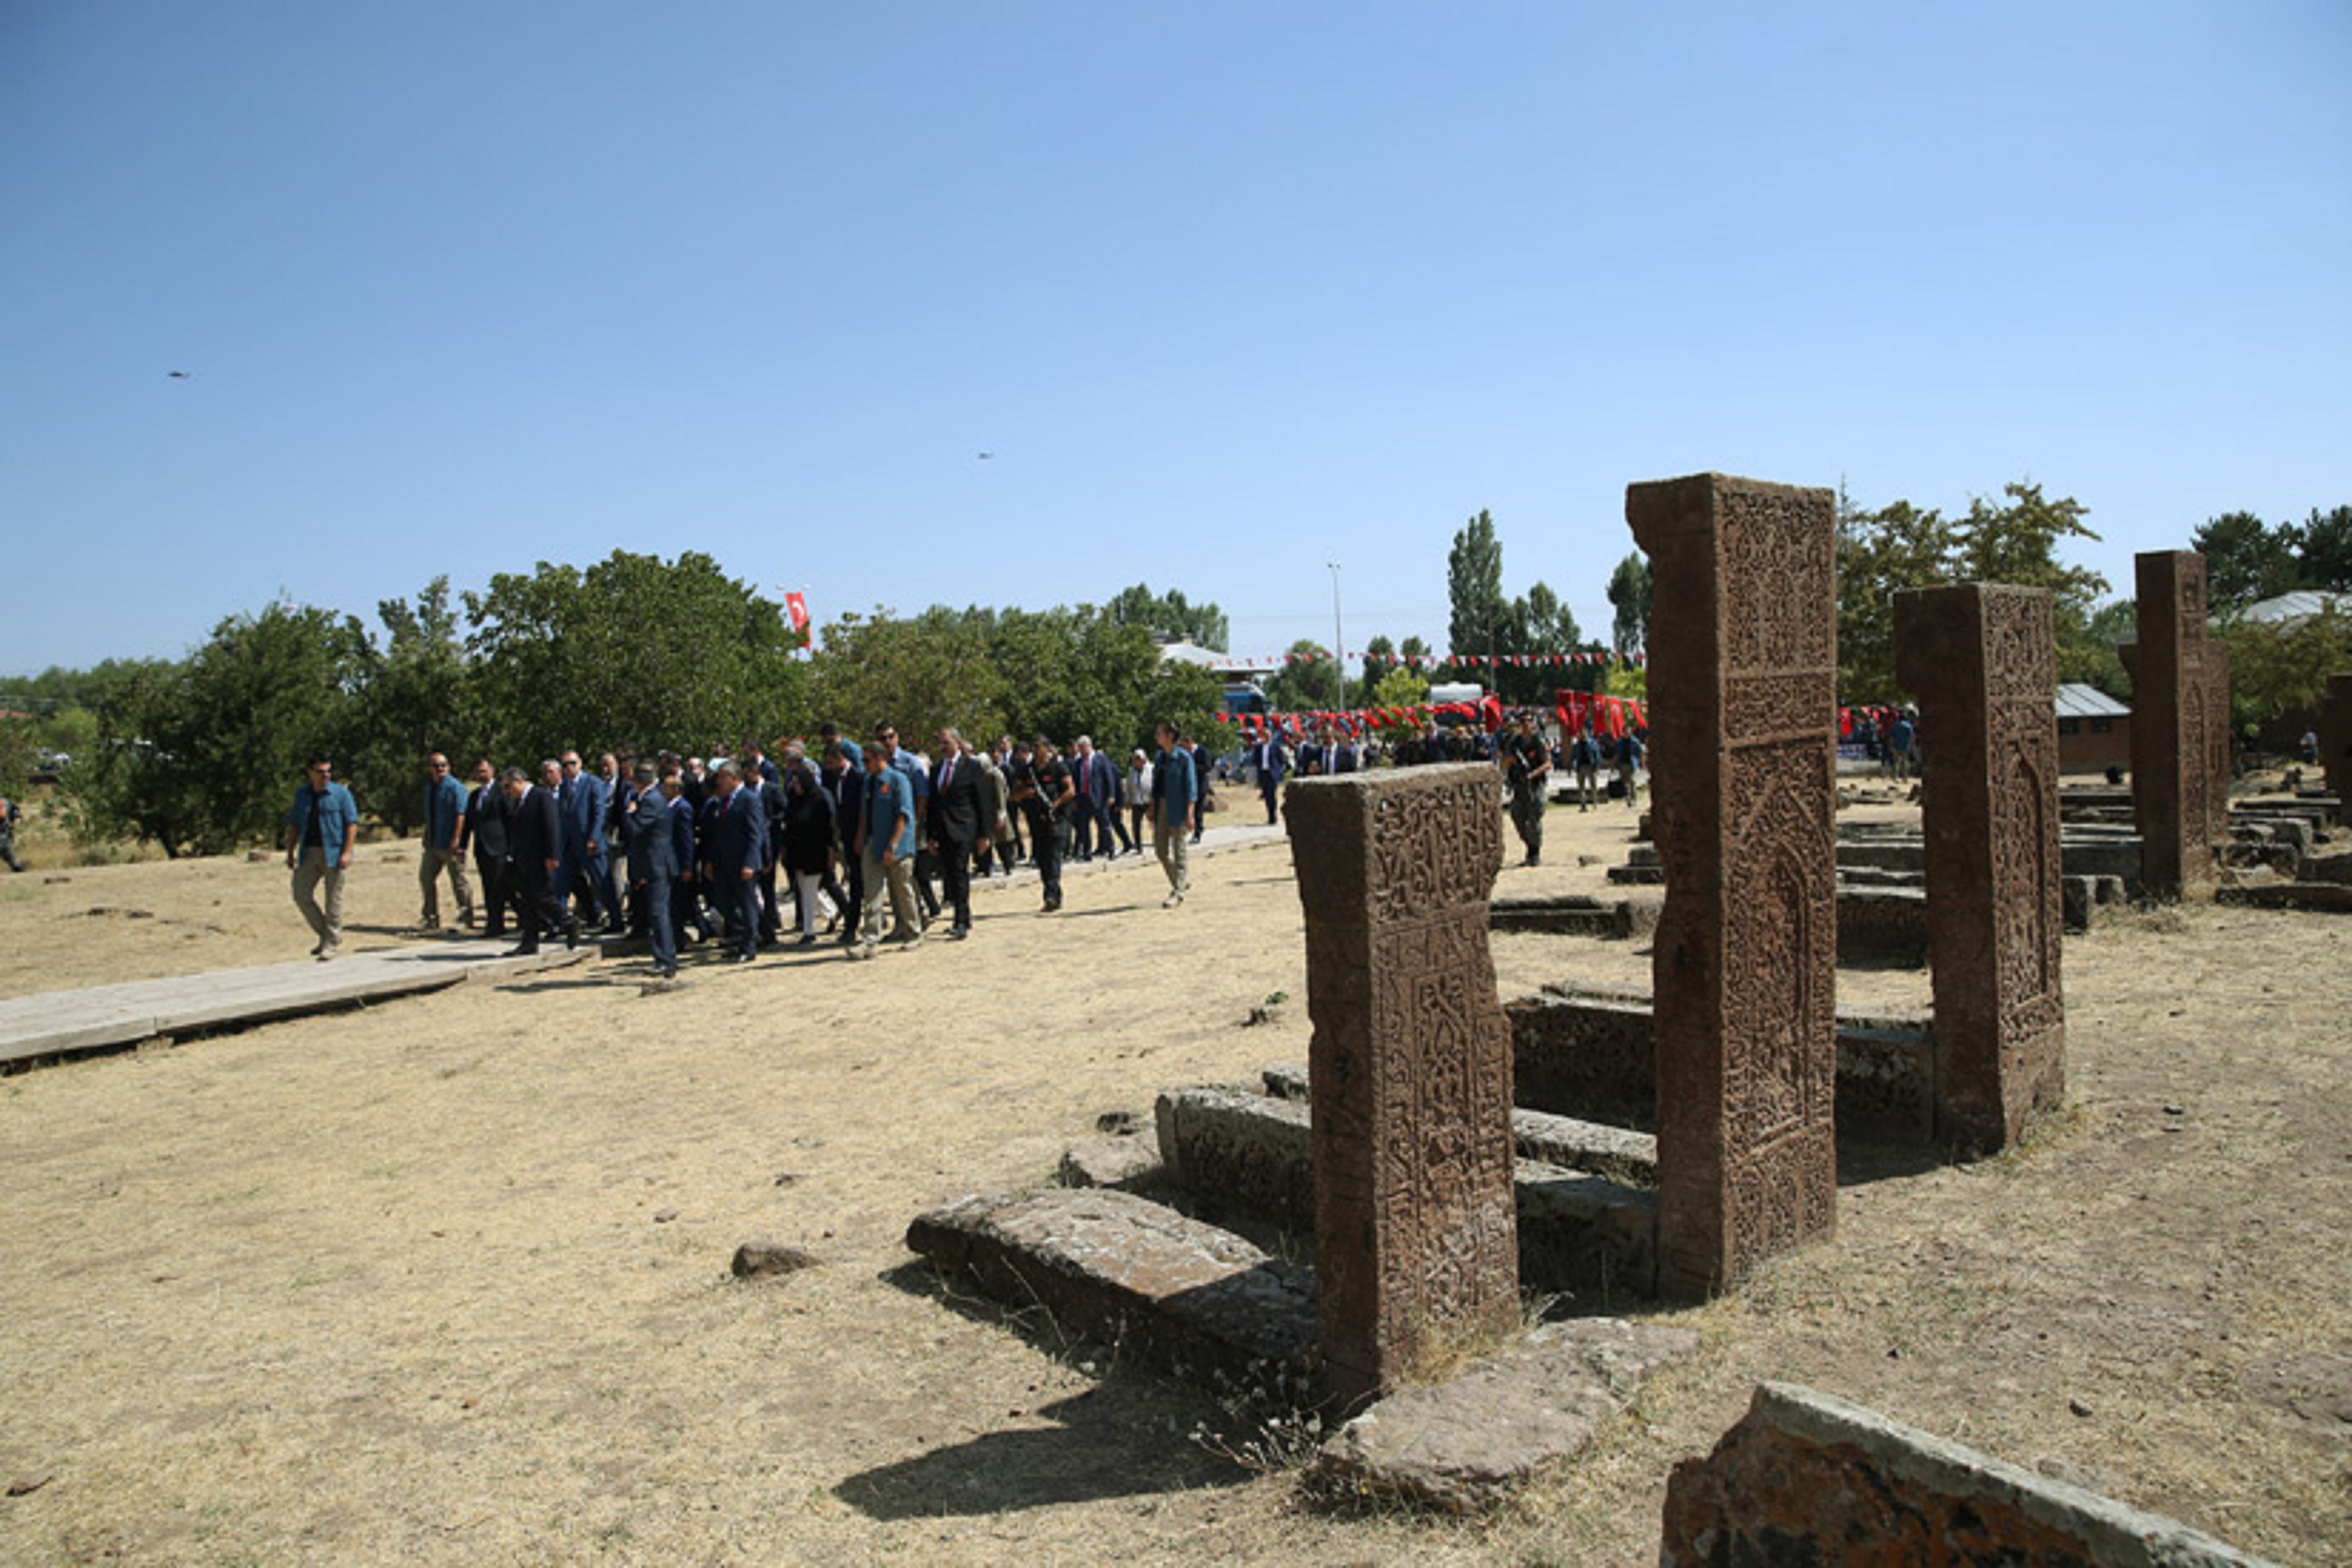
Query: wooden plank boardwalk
[{"x": 60, "y": 1023}]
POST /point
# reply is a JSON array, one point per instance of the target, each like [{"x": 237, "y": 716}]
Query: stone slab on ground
[
  {"x": 1808, "y": 1477},
  {"x": 1250, "y": 1157},
  {"x": 60, "y": 1023},
  {"x": 1586, "y": 1052},
  {"x": 1114, "y": 1159},
  {"x": 1576, "y": 914},
  {"x": 1463, "y": 1445},
  {"x": 1187, "y": 1297},
  {"x": 1620, "y": 1154},
  {"x": 2335, "y": 898}
]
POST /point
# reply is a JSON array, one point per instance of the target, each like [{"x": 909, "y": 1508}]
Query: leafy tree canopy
[{"x": 1168, "y": 616}]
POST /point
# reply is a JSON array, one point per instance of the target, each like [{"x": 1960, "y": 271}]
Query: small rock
[
  {"x": 30, "y": 1482},
  {"x": 2174, "y": 1110},
  {"x": 663, "y": 1217},
  {"x": 1110, "y": 1161},
  {"x": 1116, "y": 1122},
  {"x": 2079, "y": 1408},
  {"x": 53, "y": 881},
  {"x": 764, "y": 1259},
  {"x": 786, "y": 1178}
]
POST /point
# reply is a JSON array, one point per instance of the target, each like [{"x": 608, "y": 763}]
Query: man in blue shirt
[
  {"x": 1173, "y": 792},
  {"x": 445, "y": 839},
  {"x": 322, "y": 827},
  {"x": 885, "y": 834}
]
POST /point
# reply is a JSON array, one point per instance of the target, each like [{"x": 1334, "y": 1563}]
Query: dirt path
[{"x": 446, "y": 1280}]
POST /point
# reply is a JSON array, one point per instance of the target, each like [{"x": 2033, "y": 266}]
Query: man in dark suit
[
  {"x": 957, "y": 821},
  {"x": 489, "y": 813},
  {"x": 1270, "y": 762},
  {"x": 738, "y": 843},
  {"x": 661, "y": 847},
  {"x": 761, "y": 777},
  {"x": 1203, "y": 772},
  {"x": 535, "y": 848},
  {"x": 843, "y": 781}
]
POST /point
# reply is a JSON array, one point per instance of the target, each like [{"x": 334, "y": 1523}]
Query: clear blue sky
[{"x": 1230, "y": 289}]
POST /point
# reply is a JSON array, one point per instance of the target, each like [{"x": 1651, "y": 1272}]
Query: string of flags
[{"x": 1442, "y": 660}]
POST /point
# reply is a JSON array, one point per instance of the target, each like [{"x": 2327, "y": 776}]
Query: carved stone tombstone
[
  {"x": 2181, "y": 724},
  {"x": 2336, "y": 735},
  {"x": 1408, "y": 1071},
  {"x": 1742, "y": 708},
  {"x": 1982, "y": 658}
]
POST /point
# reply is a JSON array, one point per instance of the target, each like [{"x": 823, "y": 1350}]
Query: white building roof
[
  {"x": 2076, "y": 701},
  {"x": 2296, "y": 606}
]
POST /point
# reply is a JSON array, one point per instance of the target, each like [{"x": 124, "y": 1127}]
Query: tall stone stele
[
  {"x": 1982, "y": 658},
  {"x": 2336, "y": 735},
  {"x": 2181, "y": 724},
  {"x": 1408, "y": 1072},
  {"x": 1743, "y": 725}
]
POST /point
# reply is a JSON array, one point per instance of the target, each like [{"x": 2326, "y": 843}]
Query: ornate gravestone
[
  {"x": 2336, "y": 735},
  {"x": 1982, "y": 659},
  {"x": 1416, "y": 1233},
  {"x": 1742, "y": 708},
  {"x": 2181, "y": 724}
]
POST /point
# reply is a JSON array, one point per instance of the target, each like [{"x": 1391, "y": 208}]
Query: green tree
[
  {"x": 2112, "y": 623},
  {"x": 920, "y": 673},
  {"x": 2245, "y": 559},
  {"x": 421, "y": 697},
  {"x": 2281, "y": 667},
  {"x": 1399, "y": 688},
  {"x": 633, "y": 653},
  {"x": 1309, "y": 679},
  {"x": 201, "y": 757},
  {"x": 1629, "y": 596},
  {"x": 1169, "y": 616},
  {"x": 2324, "y": 549},
  {"x": 1879, "y": 554},
  {"x": 1379, "y": 658},
  {"x": 1480, "y": 613},
  {"x": 2017, "y": 542}
]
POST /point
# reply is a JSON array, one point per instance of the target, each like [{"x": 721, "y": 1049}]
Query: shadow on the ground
[
  {"x": 1108, "y": 1442},
  {"x": 1123, "y": 1437}
]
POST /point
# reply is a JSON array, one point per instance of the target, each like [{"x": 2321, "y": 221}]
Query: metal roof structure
[
  {"x": 2076, "y": 701},
  {"x": 2298, "y": 606}
]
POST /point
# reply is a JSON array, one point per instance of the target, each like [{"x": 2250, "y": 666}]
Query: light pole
[{"x": 1339, "y": 637}]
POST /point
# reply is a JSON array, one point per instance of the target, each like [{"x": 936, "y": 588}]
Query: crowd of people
[{"x": 678, "y": 849}]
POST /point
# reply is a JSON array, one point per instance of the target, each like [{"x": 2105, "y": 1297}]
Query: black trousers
[
  {"x": 955, "y": 880},
  {"x": 536, "y": 910},
  {"x": 767, "y": 881},
  {"x": 1046, "y": 851},
  {"x": 498, "y": 890}
]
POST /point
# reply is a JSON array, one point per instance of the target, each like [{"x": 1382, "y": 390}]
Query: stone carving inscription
[
  {"x": 1982, "y": 659},
  {"x": 1416, "y": 1221},
  {"x": 1742, "y": 667}
]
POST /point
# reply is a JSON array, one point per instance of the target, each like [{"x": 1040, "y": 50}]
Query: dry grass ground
[{"x": 446, "y": 1280}]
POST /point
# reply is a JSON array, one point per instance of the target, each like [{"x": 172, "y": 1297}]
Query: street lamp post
[{"x": 1339, "y": 637}]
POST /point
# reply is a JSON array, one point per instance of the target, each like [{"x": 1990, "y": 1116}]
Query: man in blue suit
[
  {"x": 661, "y": 848},
  {"x": 1270, "y": 762},
  {"x": 583, "y": 800},
  {"x": 739, "y": 843}
]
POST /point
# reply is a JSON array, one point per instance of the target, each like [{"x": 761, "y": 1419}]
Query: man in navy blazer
[
  {"x": 661, "y": 847},
  {"x": 739, "y": 845},
  {"x": 535, "y": 840},
  {"x": 1270, "y": 762}
]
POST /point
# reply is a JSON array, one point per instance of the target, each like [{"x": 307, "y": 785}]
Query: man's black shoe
[
  {"x": 525, "y": 952},
  {"x": 572, "y": 933}
]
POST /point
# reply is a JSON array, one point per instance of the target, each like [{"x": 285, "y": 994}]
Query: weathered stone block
[
  {"x": 1982, "y": 659},
  {"x": 1465, "y": 1444},
  {"x": 1240, "y": 1153},
  {"x": 1881, "y": 926},
  {"x": 1742, "y": 676},
  {"x": 1185, "y": 1296},
  {"x": 1408, "y": 1068},
  {"x": 1585, "y": 1233},
  {"x": 1807, "y": 1478},
  {"x": 1618, "y": 1154},
  {"x": 2180, "y": 723}
]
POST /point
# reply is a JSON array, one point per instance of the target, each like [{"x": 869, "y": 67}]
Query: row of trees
[
  {"x": 2247, "y": 560},
  {"x": 633, "y": 653}
]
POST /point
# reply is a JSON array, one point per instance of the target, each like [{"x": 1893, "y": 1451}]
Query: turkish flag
[{"x": 796, "y": 607}]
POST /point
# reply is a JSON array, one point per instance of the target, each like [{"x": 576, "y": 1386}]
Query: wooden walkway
[{"x": 60, "y": 1023}]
